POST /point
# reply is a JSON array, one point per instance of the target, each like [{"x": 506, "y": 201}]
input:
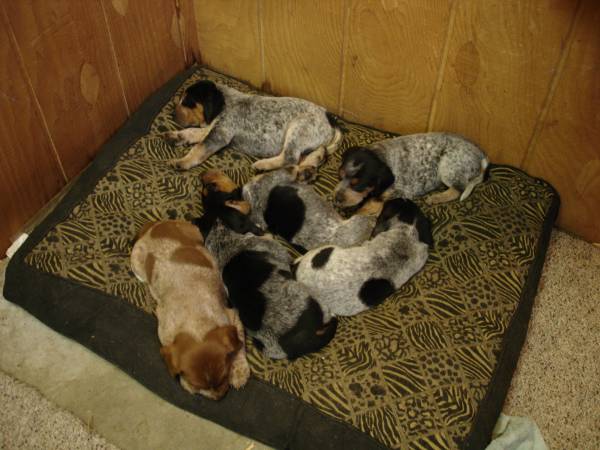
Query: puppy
[
  {"x": 289, "y": 209},
  {"x": 281, "y": 130},
  {"x": 277, "y": 311},
  {"x": 409, "y": 167},
  {"x": 202, "y": 340},
  {"x": 347, "y": 281}
]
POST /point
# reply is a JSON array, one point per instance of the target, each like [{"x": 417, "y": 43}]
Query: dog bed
[{"x": 428, "y": 368}]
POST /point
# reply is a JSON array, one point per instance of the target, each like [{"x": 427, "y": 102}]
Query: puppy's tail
[
  {"x": 335, "y": 142},
  {"x": 480, "y": 178}
]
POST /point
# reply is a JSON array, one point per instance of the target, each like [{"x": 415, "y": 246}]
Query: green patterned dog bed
[{"x": 429, "y": 368}]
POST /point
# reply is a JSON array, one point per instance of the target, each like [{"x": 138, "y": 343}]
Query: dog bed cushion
[{"x": 428, "y": 368}]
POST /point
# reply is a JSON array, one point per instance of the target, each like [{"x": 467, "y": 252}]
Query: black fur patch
[
  {"x": 406, "y": 211},
  {"x": 375, "y": 290},
  {"x": 205, "y": 223},
  {"x": 321, "y": 258},
  {"x": 238, "y": 222},
  {"x": 206, "y": 93},
  {"x": 214, "y": 198},
  {"x": 243, "y": 275},
  {"x": 285, "y": 212},
  {"x": 424, "y": 230},
  {"x": 286, "y": 274},
  {"x": 303, "y": 337},
  {"x": 373, "y": 173},
  {"x": 214, "y": 205},
  {"x": 258, "y": 344}
]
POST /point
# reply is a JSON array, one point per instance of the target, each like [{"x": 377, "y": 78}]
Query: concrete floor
[{"x": 556, "y": 383}]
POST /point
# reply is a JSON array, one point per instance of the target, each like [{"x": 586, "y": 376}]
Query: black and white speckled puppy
[
  {"x": 281, "y": 130},
  {"x": 347, "y": 281},
  {"x": 297, "y": 213},
  {"x": 276, "y": 310},
  {"x": 409, "y": 167}
]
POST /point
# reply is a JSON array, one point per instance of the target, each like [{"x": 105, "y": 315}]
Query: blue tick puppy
[
  {"x": 280, "y": 130},
  {"x": 277, "y": 311},
  {"x": 409, "y": 167},
  {"x": 291, "y": 210},
  {"x": 347, "y": 281}
]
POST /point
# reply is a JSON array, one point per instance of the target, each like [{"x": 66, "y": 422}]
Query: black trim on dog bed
[{"x": 127, "y": 337}]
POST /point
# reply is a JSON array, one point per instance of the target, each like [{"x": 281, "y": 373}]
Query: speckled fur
[
  {"x": 286, "y": 298},
  {"x": 394, "y": 255},
  {"x": 263, "y": 126},
  {"x": 424, "y": 162},
  {"x": 321, "y": 225}
]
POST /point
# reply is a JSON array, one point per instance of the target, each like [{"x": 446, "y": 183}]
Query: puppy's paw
[
  {"x": 172, "y": 137},
  {"x": 180, "y": 164},
  {"x": 240, "y": 372},
  {"x": 261, "y": 165},
  {"x": 306, "y": 174}
]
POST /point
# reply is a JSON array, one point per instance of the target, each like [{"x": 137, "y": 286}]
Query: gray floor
[{"x": 556, "y": 383}]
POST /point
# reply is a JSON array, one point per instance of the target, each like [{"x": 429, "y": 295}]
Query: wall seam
[
  {"x": 36, "y": 101},
  {"x": 560, "y": 65},
  {"x": 181, "y": 31},
  {"x": 115, "y": 59},
  {"x": 261, "y": 42},
  {"x": 442, "y": 66},
  {"x": 346, "y": 13}
]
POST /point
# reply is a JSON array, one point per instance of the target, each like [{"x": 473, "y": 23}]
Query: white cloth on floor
[
  {"x": 516, "y": 433},
  {"x": 15, "y": 245}
]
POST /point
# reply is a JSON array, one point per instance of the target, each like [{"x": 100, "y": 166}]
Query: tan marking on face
[
  {"x": 351, "y": 198},
  {"x": 371, "y": 208},
  {"x": 149, "y": 266},
  {"x": 188, "y": 117},
  {"x": 185, "y": 233},
  {"x": 191, "y": 255},
  {"x": 240, "y": 205},
  {"x": 221, "y": 181}
]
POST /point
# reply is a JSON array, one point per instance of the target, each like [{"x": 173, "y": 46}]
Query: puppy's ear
[
  {"x": 239, "y": 205},
  {"x": 240, "y": 223},
  {"x": 170, "y": 355},
  {"x": 385, "y": 178},
  {"x": 227, "y": 336},
  {"x": 212, "y": 101},
  {"x": 205, "y": 223}
]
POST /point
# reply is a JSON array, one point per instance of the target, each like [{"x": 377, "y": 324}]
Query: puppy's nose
[{"x": 339, "y": 197}]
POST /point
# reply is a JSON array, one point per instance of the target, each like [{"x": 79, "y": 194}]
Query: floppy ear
[
  {"x": 213, "y": 102},
  {"x": 240, "y": 205},
  {"x": 238, "y": 222},
  {"x": 205, "y": 223},
  {"x": 385, "y": 179},
  {"x": 228, "y": 337},
  {"x": 171, "y": 357}
]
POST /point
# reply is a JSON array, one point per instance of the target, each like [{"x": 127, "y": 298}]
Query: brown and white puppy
[{"x": 202, "y": 340}]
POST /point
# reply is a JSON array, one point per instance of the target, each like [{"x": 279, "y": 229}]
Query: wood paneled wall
[
  {"x": 522, "y": 78},
  {"x": 71, "y": 73}
]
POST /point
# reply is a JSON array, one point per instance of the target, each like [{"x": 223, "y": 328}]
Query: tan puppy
[{"x": 202, "y": 340}]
